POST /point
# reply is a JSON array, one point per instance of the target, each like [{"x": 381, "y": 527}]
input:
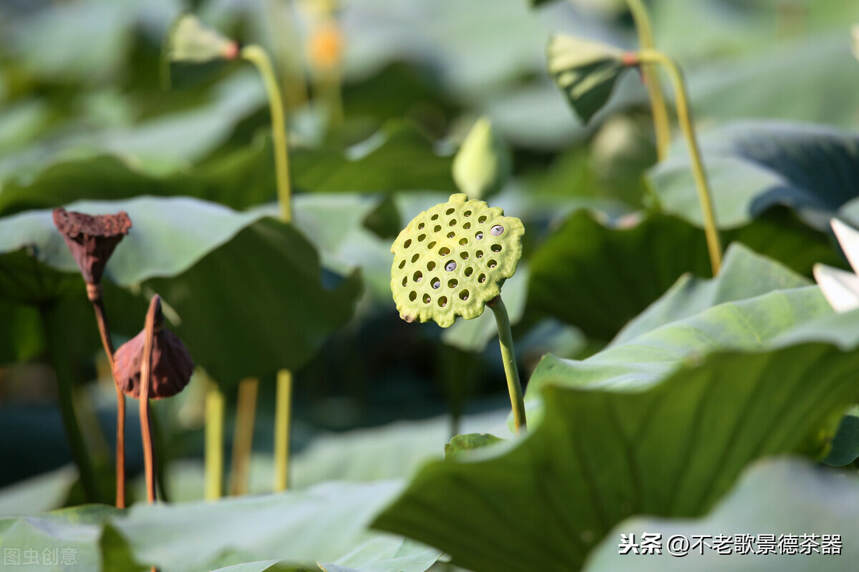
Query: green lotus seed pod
[
  {"x": 191, "y": 41},
  {"x": 452, "y": 259},
  {"x": 586, "y": 71}
]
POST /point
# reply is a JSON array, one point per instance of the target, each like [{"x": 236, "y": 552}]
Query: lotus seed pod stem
[{"x": 451, "y": 260}]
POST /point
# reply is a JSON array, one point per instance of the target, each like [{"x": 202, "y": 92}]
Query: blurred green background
[{"x": 87, "y": 112}]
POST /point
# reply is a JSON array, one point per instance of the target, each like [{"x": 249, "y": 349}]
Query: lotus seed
[
  {"x": 450, "y": 266},
  {"x": 496, "y": 229}
]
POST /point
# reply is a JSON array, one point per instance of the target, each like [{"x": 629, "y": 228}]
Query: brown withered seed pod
[
  {"x": 91, "y": 238},
  {"x": 171, "y": 363}
]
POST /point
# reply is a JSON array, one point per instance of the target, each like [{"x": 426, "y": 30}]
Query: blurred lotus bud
[
  {"x": 190, "y": 41},
  {"x": 91, "y": 239},
  {"x": 326, "y": 46},
  {"x": 483, "y": 163},
  {"x": 452, "y": 259},
  {"x": 623, "y": 147},
  {"x": 171, "y": 363}
]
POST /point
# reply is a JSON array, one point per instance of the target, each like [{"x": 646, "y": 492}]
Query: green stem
[
  {"x": 283, "y": 405},
  {"x": 508, "y": 356},
  {"x": 287, "y": 47},
  {"x": 160, "y": 445},
  {"x": 65, "y": 395},
  {"x": 684, "y": 117},
  {"x": 243, "y": 435},
  {"x": 214, "y": 440},
  {"x": 651, "y": 79},
  {"x": 257, "y": 56}
]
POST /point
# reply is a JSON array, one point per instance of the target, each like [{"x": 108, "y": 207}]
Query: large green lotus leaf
[
  {"x": 779, "y": 496},
  {"x": 753, "y": 86},
  {"x": 598, "y": 276},
  {"x": 168, "y": 236},
  {"x": 700, "y": 30},
  {"x": 240, "y": 178},
  {"x": 20, "y": 335},
  {"x": 100, "y": 32},
  {"x": 397, "y": 157},
  {"x": 159, "y": 145},
  {"x": 323, "y": 524},
  {"x": 753, "y": 166},
  {"x": 691, "y": 295},
  {"x": 37, "y": 494},
  {"x": 258, "y": 566},
  {"x": 255, "y": 280},
  {"x": 70, "y": 538},
  {"x": 263, "y": 290},
  {"x": 327, "y": 523},
  {"x": 845, "y": 444},
  {"x": 392, "y": 451},
  {"x": 470, "y": 45},
  {"x": 662, "y": 424}
]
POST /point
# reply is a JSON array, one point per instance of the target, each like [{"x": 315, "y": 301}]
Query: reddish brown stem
[
  {"x": 145, "y": 370},
  {"x": 95, "y": 296}
]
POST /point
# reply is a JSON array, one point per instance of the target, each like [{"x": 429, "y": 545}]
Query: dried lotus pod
[
  {"x": 452, "y": 259},
  {"x": 171, "y": 363},
  {"x": 91, "y": 238}
]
